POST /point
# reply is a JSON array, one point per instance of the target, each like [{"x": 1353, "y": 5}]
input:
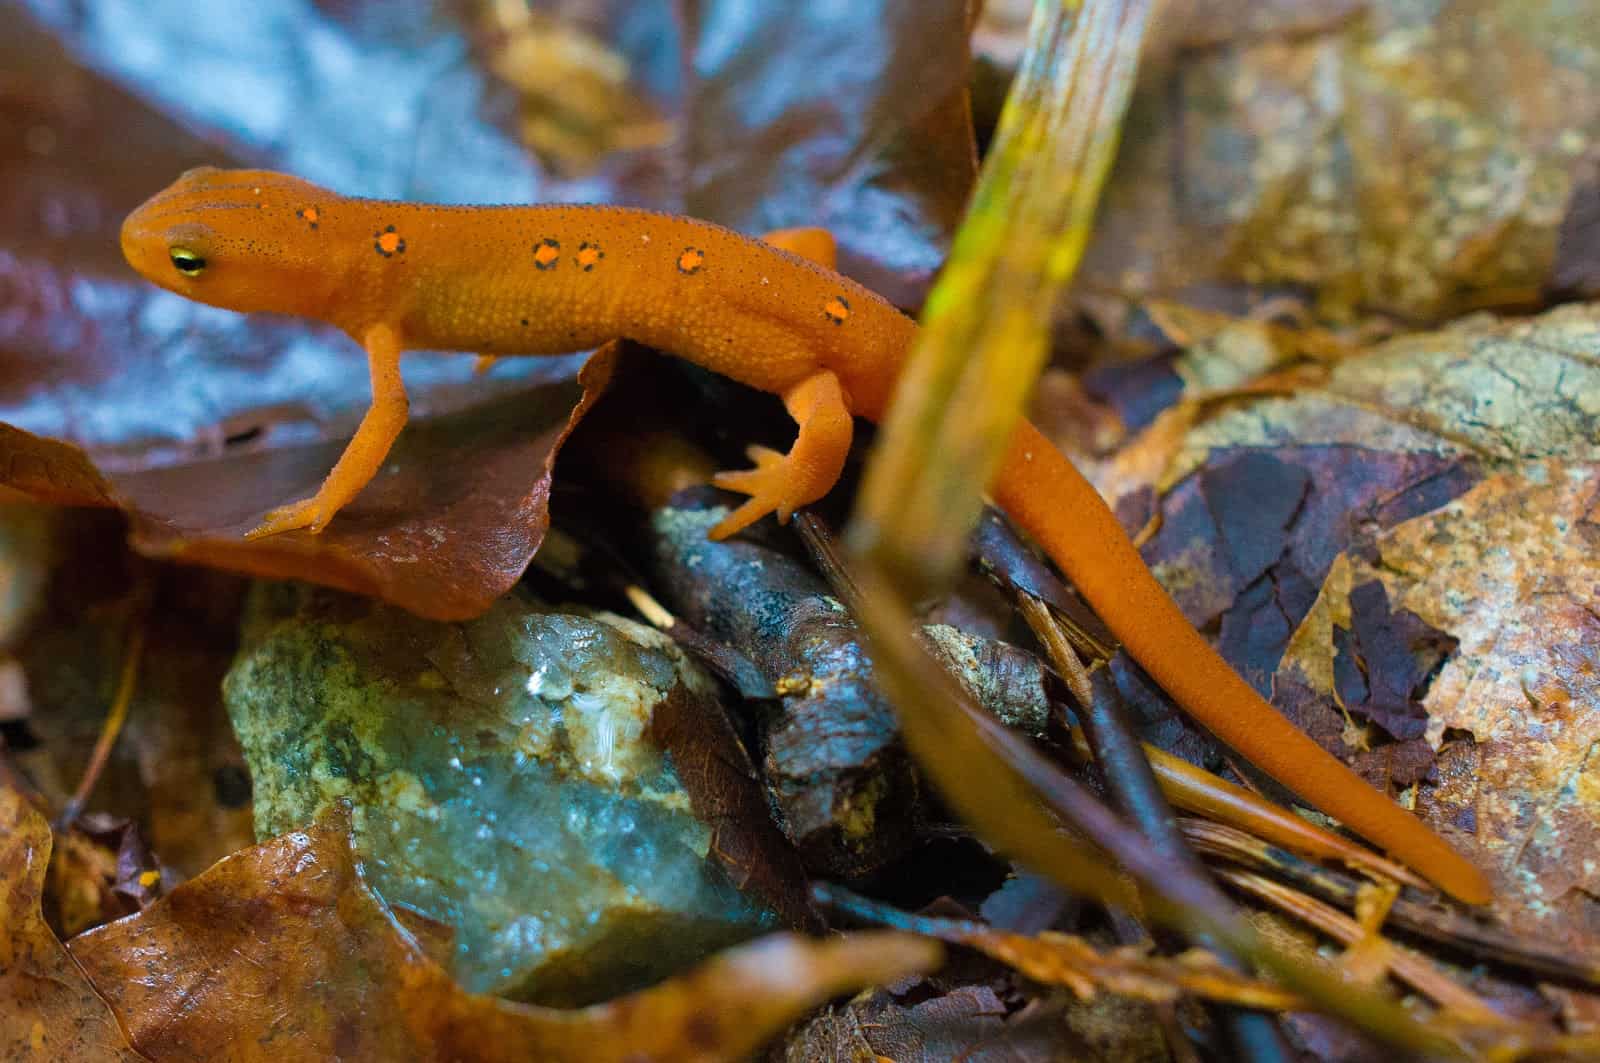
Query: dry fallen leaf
[
  {"x": 1505, "y": 563},
  {"x": 1451, "y": 497},
  {"x": 1512, "y": 570},
  {"x": 282, "y": 952},
  {"x": 51, "y": 1011}
]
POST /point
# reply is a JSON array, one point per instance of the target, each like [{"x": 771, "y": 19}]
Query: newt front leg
[
  {"x": 782, "y": 483},
  {"x": 364, "y": 455}
]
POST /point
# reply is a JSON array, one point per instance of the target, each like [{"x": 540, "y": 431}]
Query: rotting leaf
[
  {"x": 977, "y": 1016},
  {"x": 1510, "y": 570},
  {"x": 1217, "y": 543},
  {"x": 967, "y": 1022},
  {"x": 1254, "y": 500},
  {"x": 203, "y": 974},
  {"x": 50, "y": 1011},
  {"x": 1457, "y": 468},
  {"x": 1384, "y": 661}
]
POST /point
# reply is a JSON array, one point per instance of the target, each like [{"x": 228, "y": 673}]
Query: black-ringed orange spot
[
  {"x": 546, "y": 253},
  {"x": 589, "y": 256},
  {"x": 690, "y": 261},
  {"x": 388, "y": 242},
  {"x": 309, "y": 215},
  {"x": 836, "y": 310}
]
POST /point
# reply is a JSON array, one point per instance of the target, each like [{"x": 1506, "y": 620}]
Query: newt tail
[{"x": 1042, "y": 491}]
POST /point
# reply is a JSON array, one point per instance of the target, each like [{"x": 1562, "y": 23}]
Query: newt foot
[
  {"x": 770, "y": 485},
  {"x": 306, "y": 513}
]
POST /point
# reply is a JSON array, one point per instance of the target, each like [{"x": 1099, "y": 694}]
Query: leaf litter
[{"x": 1487, "y": 427}]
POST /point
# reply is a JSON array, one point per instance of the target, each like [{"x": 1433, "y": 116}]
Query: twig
[
  {"x": 111, "y": 729},
  {"x": 1412, "y": 968},
  {"x": 1256, "y": 1036},
  {"x": 1197, "y": 790},
  {"x": 1471, "y": 938}
]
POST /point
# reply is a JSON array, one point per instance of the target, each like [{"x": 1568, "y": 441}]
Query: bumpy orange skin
[{"x": 554, "y": 279}]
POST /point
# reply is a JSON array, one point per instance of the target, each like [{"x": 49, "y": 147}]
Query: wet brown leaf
[
  {"x": 726, "y": 793},
  {"x": 51, "y": 1011},
  {"x": 282, "y": 952},
  {"x": 197, "y": 421},
  {"x": 442, "y": 546},
  {"x": 857, "y": 121}
]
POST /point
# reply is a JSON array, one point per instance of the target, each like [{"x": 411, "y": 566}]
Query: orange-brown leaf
[
  {"x": 282, "y": 952},
  {"x": 50, "y": 1011}
]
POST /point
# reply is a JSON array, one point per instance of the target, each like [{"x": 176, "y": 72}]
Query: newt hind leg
[
  {"x": 781, "y": 483},
  {"x": 809, "y": 242}
]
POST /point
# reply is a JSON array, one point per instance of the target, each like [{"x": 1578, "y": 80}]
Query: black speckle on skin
[
  {"x": 524, "y": 322},
  {"x": 377, "y": 242},
  {"x": 583, "y": 249},
  {"x": 691, "y": 260},
  {"x": 554, "y": 245}
]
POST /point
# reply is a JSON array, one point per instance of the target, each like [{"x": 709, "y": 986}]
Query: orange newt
[{"x": 557, "y": 279}]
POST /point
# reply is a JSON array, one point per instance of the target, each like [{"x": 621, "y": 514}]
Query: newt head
[{"x": 241, "y": 239}]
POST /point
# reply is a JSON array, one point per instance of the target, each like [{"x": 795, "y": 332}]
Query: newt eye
[{"x": 186, "y": 261}]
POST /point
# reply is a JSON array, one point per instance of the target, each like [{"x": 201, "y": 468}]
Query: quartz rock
[{"x": 503, "y": 780}]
